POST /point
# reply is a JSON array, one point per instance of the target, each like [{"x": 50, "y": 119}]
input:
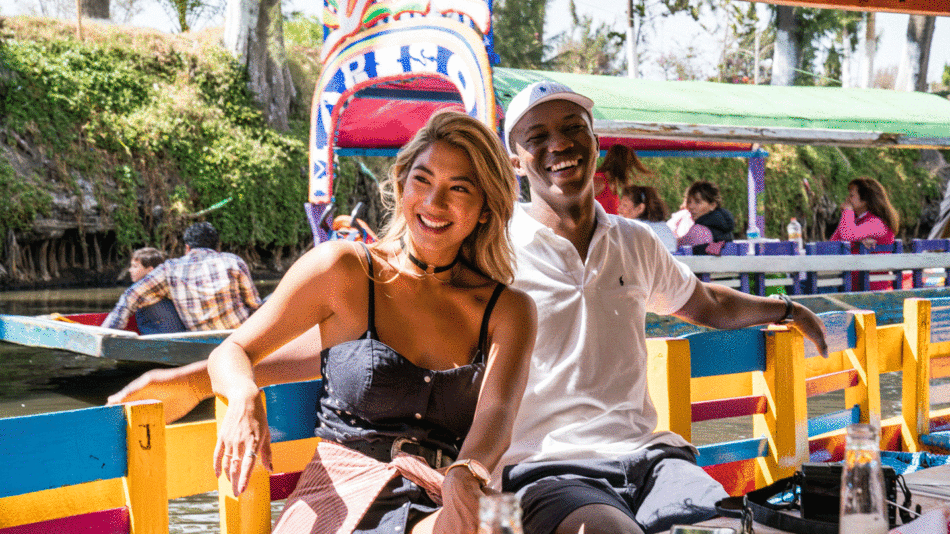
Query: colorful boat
[{"x": 81, "y": 333}]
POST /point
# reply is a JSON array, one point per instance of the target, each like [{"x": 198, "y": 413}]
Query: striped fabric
[{"x": 340, "y": 484}]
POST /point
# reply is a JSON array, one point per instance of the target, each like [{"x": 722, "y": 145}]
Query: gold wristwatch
[{"x": 479, "y": 471}]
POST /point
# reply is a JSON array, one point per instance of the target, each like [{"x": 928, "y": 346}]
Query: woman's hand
[
  {"x": 242, "y": 435},
  {"x": 846, "y": 205},
  {"x": 460, "y": 495},
  {"x": 869, "y": 242}
]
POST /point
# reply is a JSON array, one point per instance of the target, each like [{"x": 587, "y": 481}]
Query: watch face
[{"x": 479, "y": 471}]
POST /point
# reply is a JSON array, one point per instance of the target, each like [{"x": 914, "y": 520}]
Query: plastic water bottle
[
  {"x": 795, "y": 234},
  {"x": 499, "y": 514},
  {"x": 862, "y": 484}
]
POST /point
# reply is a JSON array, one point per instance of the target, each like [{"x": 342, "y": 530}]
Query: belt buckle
[{"x": 435, "y": 462}]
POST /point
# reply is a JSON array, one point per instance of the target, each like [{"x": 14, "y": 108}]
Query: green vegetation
[
  {"x": 164, "y": 126},
  {"x": 20, "y": 202}
]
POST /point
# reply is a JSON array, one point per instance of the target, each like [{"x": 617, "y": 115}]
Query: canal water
[{"x": 36, "y": 381}]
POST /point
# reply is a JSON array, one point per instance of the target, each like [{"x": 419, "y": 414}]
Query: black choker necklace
[{"x": 425, "y": 267}]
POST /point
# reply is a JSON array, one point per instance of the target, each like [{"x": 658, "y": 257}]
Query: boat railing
[{"x": 780, "y": 371}]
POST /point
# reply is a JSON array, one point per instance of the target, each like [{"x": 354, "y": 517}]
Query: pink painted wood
[
  {"x": 838, "y": 380},
  {"x": 281, "y": 485},
  {"x": 114, "y": 521},
  {"x": 732, "y": 407}
]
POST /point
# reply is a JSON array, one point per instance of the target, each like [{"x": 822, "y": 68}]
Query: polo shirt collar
[{"x": 525, "y": 227}]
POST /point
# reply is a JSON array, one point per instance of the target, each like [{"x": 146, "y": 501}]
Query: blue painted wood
[
  {"x": 779, "y": 248},
  {"x": 721, "y": 352},
  {"x": 738, "y": 249},
  {"x": 939, "y": 319},
  {"x": 732, "y": 451},
  {"x": 39, "y": 452},
  {"x": 292, "y": 409},
  {"x": 929, "y": 245},
  {"x": 896, "y": 248},
  {"x": 840, "y": 332},
  {"x": 833, "y": 421},
  {"x": 827, "y": 248},
  {"x": 936, "y": 439}
]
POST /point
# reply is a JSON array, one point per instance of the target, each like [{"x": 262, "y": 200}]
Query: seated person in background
[
  {"x": 211, "y": 290},
  {"x": 867, "y": 217},
  {"x": 712, "y": 224},
  {"x": 644, "y": 203},
  {"x": 161, "y": 317},
  {"x": 614, "y": 174}
]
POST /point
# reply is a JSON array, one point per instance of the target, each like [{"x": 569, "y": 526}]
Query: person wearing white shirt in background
[{"x": 643, "y": 203}]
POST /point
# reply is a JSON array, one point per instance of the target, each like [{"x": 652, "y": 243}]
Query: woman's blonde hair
[{"x": 488, "y": 248}]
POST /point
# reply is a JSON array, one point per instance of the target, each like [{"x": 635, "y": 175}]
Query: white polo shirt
[{"x": 587, "y": 389}]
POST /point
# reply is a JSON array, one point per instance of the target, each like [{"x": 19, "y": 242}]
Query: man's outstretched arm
[{"x": 721, "y": 307}]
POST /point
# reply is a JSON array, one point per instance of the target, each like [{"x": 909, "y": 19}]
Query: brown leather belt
[{"x": 384, "y": 449}]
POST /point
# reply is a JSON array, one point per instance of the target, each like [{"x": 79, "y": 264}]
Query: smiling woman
[{"x": 427, "y": 353}]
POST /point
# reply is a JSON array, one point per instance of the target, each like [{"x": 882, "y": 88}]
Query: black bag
[{"x": 815, "y": 491}]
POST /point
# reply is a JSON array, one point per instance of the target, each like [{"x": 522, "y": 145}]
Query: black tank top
[{"x": 372, "y": 391}]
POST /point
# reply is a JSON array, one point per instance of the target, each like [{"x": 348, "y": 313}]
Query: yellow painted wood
[
  {"x": 890, "y": 346},
  {"x": 865, "y": 360},
  {"x": 939, "y": 350},
  {"x": 785, "y": 424},
  {"x": 62, "y": 502},
  {"x": 249, "y": 513},
  {"x": 293, "y": 456},
  {"x": 146, "y": 479},
  {"x": 707, "y": 388},
  {"x": 190, "y": 448},
  {"x": 668, "y": 378},
  {"x": 915, "y": 382}
]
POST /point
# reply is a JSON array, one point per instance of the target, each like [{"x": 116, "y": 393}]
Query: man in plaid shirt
[{"x": 211, "y": 290}]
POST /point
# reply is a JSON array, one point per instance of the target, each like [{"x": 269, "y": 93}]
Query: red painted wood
[
  {"x": 940, "y": 367},
  {"x": 281, "y": 485},
  {"x": 732, "y": 407},
  {"x": 831, "y": 382},
  {"x": 738, "y": 478},
  {"x": 115, "y": 521}
]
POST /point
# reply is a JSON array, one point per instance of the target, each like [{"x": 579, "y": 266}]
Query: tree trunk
[
  {"x": 912, "y": 73},
  {"x": 96, "y": 9},
  {"x": 254, "y": 33},
  {"x": 787, "y": 47},
  {"x": 870, "y": 50},
  {"x": 42, "y": 259}
]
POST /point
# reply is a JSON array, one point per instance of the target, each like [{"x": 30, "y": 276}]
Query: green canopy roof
[{"x": 709, "y": 111}]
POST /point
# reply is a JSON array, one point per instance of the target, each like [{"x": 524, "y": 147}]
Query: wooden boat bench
[
  {"x": 97, "y": 470},
  {"x": 926, "y": 356}
]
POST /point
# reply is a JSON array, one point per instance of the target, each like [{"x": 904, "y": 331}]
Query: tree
[
  {"x": 587, "y": 50},
  {"x": 96, "y": 9},
  {"x": 187, "y": 12},
  {"x": 912, "y": 73},
  {"x": 800, "y": 33},
  {"x": 519, "y": 33},
  {"x": 254, "y": 34},
  {"x": 787, "y": 55},
  {"x": 745, "y": 46}
]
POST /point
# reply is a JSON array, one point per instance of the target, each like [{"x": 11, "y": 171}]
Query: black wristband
[{"x": 789, "y": 308}]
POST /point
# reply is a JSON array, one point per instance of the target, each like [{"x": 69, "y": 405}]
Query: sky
[{"x": 676, "y": 34}]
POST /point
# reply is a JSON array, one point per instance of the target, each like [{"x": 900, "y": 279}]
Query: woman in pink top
[
  {"x": 868, "y": 217},
  {"x": 614, "y": 174}
]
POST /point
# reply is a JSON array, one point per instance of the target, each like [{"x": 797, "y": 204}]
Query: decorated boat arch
[{"x": 389, "y": 65}]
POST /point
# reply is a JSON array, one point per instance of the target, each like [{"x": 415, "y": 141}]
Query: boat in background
[{"x": 81, "y": 333}]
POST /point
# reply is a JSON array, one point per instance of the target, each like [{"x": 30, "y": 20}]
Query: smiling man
[{"x": 585, "y": 453}]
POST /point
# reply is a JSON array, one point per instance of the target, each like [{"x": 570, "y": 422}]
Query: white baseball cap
[{"x": 538, "y": 93}]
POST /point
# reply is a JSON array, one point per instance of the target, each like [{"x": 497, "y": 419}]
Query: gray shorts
[{"x": 657, "y": 487}]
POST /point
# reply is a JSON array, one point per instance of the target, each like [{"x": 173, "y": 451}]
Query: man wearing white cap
[{"x": 585, "y": 452}]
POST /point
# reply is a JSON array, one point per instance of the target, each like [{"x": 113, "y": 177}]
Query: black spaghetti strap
[
  {"x": 483, "y": 335},
  {"x": 371, "y": 307}
]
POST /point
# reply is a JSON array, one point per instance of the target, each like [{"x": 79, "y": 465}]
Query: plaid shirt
[{"x": 211, "y": 291}]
